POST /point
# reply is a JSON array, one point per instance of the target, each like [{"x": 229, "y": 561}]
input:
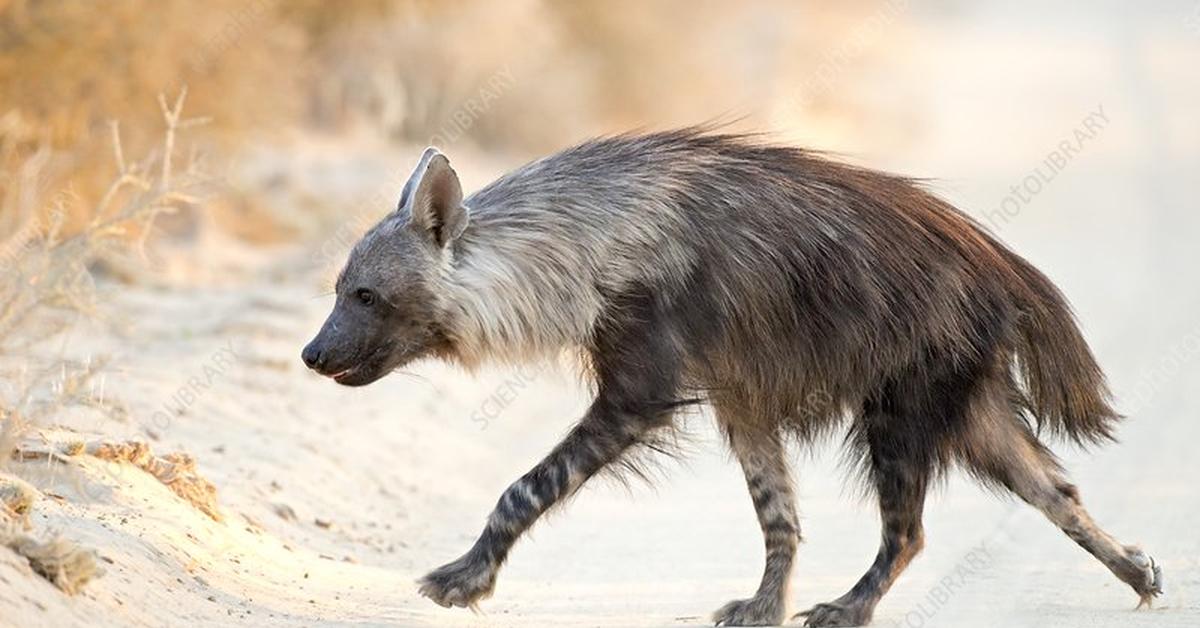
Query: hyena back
[{"x": 793, "y": 293}]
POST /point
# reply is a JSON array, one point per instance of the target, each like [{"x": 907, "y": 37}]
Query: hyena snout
[
  {"x": 325, "y": 358},
  {"x": 325, "y": 353},
  {"x": 314, "y": 355},
  {"x": 351, "y": 352}
]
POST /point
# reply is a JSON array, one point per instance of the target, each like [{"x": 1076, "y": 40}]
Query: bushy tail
[{"x": 1067, "y": 392}]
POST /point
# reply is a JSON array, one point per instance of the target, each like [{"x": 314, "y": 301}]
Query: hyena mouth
[
  {"x": 366, "y": 371},
  {"x": 360, "y": 375},
  {"x": 340, "y": 375}
]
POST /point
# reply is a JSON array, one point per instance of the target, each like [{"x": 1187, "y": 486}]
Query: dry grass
[
  {"x": 64, "y": 563},
  {"x": 48, "y": 280},
  {"x": 46, "y": 276},
  {"x": 175, "y": 470},
  {"x": 16, "y": 498},
  {"x": 61, "y": 561},
  {"x": 413, "y": 70},
  {"x": 78, "y": 196}
]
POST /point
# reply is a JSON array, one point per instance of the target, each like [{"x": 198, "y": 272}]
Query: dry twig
[{"x": 46, "y": 272}]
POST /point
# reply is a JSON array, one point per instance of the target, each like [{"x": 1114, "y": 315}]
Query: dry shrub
[
  {"x": 48, "y": 279},
  {"x": 33, "y": 398},
  {"x": 51, "y": 269},
  {"x": 175, "y": 470},
  {"x": 16, "y": 497},
  {"x": 67, "y": 68},
  {"x": 522, "y": 75},
  {"x": 417, "y": 68},
  {"x": 63, "y": 562},
  {"x": 46, "y": 285}
]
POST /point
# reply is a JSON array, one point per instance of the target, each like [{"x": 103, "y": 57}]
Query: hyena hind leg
[
  {"x": 900, "y": 464},
  {"x": 763, "y": 459},
  {"x": 1001, "y": 449}
]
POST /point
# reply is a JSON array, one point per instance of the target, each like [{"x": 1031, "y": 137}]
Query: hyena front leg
[
  {"x": 600, "y": 438},
  {"x": 762, "y": 456},
  {"x": 637, "y": 376}
]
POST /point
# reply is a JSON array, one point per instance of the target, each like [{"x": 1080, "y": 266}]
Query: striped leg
[
  {"x": 900, "y": 469},
  {"x": 1025, "y": 467},
  {"x": 638, "y": 370},
  {"x": 763, "y": 461},
  {"x": 600, "y": 438}
]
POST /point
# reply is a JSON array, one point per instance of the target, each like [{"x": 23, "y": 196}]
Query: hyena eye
[{"x": 366, "y": 297}]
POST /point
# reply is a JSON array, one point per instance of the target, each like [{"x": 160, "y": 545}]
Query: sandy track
[{"x": 335, "y": 500}]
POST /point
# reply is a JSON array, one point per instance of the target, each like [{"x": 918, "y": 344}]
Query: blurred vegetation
[
  {"x": 521, "y": 76},
  {"x": 255, "y": 68},
  {"x": 69, "y": 68}
]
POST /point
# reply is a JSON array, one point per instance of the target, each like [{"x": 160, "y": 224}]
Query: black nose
[{"x": 312, "y": 356}]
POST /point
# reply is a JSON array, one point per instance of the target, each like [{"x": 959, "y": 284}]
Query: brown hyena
[{"x": 793, "y": 293}]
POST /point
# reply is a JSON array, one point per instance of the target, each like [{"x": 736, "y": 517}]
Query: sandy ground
[{"x": 336, "y": 500}]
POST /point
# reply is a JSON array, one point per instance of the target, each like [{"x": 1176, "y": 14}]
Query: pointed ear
[
  {"x": 433, "y": 197},
  {"x": 415, "y": 177}
]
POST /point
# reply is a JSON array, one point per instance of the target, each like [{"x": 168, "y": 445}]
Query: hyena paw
[
  {"x": 756, "y": 611},
  {"x": 461, "y": 583},
  {"x": 1148, "y": 581},
  {"x": 836, "y": 614}
]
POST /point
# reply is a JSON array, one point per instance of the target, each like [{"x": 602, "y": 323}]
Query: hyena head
[{"x": 390, "y": 307}]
